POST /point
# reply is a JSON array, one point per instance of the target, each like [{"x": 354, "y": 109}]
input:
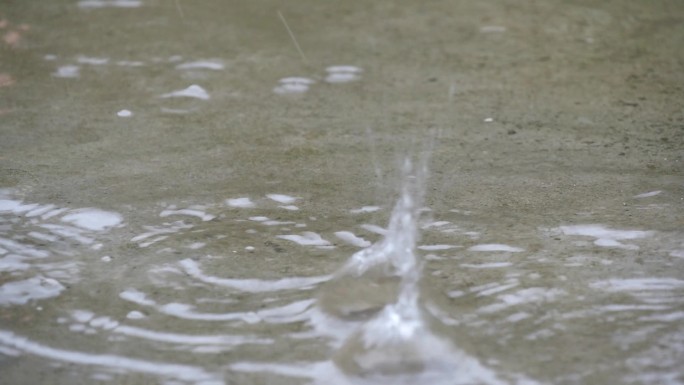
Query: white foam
[
  {"x": 103, "y": 323},
  {"x": 93, "y": 219},
  {"x": 79, "y": 328},
  {"x": 344, "y": 68},
  {"x": 109, "y": 3},
  {"x": 16, "y": 207},
  {"x": 293, "y": 85},
  {"x": 297, "y": 79},
  {"x": 485, "y": 286},
  {"x": 21, "y": 292},
  {"x": 67, "y": 71},
  {"x": 600, "y": 231},
  {"x": 136, "y": 296},
  {"x": 192, "y": 268},
  {"x": 677, "y": 253},
  {"x": 178, "y": 111},
  {"x": 158, "y": 231},
  {"x": 276, "y": 223},
  {"x": 293, "y": 312},
  {"x": 648, "y": 194},
  {"x": 202, "y": 64},
  {"x": 435, "y": 224},
  {"x": 308, "y": 238},
  {"x": 341, "y": 77},
  {"x": 606, "y": 237},
  {"x": 494, "y": 288},
  {"x": 258, "y": 219},
  {"x": 194, "y": 213},
  {"x": 117, "y": 363},
  {"x": 365, "y": 209},
  {"x": 523, "y": 296},
  {"x": 135, "y": 315},
  {"x": 638, "y": 284},
  {"x": 352, "y": 239},
  {"x": 495, "y": 247},
  {"x": 92, "y": 60},
  {"x": 184, "y": 311},
  {"x": 124, "y": 114},
  {"x": 72, "y": 232},
  {"x": 291, "y": 88},
  {"x": 244, "y": 202},
  {"x": 621, "y": 308},
  {"x": 82, "y": 316},
  {"x": 289, "y": 207},
  {"x": 281, "y": 198},
  {"x": 491, "y": 265},
  {"x": 343, "y": 74},
  {"x": 462, "y": 212},
  {"x": 194, "y": 91},
  {"x": 608, "y": 242}
]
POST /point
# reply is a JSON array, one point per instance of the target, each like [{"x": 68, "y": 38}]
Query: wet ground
[{"x": 179, "y": 180}]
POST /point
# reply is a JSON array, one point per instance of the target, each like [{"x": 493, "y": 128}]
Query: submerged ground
[{"x": 152, "y": 151}]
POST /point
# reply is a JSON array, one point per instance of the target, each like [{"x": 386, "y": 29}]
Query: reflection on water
[
  {"x": 17, "y": 345},
  {"x": 109, "y": 3},
  {"x": 385, "y": 316},
  {"x": 196, "y": 70},
  {"x": 36, "y": 246}
]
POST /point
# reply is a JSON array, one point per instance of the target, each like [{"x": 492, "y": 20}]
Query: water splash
[
  {"x": 377, "y": 291},
  {"x": 372, "y": 277}
]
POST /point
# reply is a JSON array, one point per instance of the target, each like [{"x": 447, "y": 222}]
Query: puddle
[
  {"x": 195, "y": 202},
  {"x": 383, "y": 316}
]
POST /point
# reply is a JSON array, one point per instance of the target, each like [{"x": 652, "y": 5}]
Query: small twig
[{"x": 292, "y": 36}]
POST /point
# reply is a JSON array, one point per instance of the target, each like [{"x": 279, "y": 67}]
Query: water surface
[{"x": 184, "y": 195}]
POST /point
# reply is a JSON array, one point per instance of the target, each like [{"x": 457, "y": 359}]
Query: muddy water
[{"x": 179, "y": 185}]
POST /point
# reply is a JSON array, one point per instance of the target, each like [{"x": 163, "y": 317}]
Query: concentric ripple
[{"x": 244, "y": 290}]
